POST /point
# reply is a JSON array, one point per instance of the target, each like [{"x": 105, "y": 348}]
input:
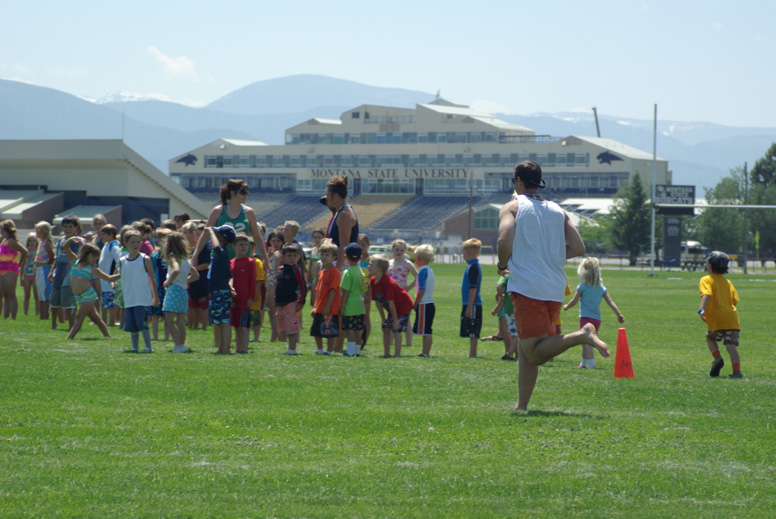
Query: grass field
[{"x": 89, "y": 431}]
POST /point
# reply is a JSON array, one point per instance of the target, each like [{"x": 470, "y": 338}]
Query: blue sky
[{"x": 698, "y": 60}]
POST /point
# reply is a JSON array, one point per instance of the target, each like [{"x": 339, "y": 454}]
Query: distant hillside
[
  {"x": 33, "y": 112},
  {"x": 300, "y": 93},
  {"x": 699, "y": 153}
]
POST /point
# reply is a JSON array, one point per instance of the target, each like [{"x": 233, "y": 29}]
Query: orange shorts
[
  {"x": 533, "y": 317},
  {"x": 288, "y": 318}
]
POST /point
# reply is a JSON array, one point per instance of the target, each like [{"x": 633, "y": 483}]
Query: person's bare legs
[
  {"x": 11, "y": 305},
  {"x": 94, "y": 315},
  {"x": 535, "y": 351},
  {"x": 387, "y": 337},
  {"x": 712, "y": 344},
  {"x": 169, "y": 319},
  {"x": 83, "y": 311},
  {"x": 427, "y": 340},
  {"x": 473, "y": 347},
  {"x": 733, "y": 352}
]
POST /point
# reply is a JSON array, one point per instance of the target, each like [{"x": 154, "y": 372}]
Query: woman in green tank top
[{"x": 233, "y": 211}]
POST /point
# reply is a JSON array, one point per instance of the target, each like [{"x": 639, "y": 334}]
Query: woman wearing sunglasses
[{"x": 232, "y": 210}]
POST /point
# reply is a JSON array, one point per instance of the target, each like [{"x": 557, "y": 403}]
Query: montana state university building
[{"x": 436, "y": 149}]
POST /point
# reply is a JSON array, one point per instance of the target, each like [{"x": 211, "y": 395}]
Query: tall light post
[{"x": 652, "y": 200}]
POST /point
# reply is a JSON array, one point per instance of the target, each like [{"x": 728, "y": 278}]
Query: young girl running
[
  {"x": 44, "y": 257},
  {"x": 83, "y": 265},
  {"x": 589, "y": 293},
  {"x": 176, "y": 299},
  {"x": 27, "y": 278},
  {"x": 12, "y": 257},
  {"x": 398, "y": 269}
]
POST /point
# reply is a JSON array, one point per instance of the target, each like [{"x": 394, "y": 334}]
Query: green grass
[{"x": 89, "y": 431}]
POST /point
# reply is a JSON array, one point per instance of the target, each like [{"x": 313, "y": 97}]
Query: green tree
[
  {"x": 722, "y": 228},
  {"x": 763, "y": 192},
  {"x": 631, "y": 216},
  {"x": 764, "y": 170},
  {"x": 597, "y": 234}
]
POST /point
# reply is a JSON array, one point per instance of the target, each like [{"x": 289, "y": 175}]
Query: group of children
[{"x": 134, "y": 282}]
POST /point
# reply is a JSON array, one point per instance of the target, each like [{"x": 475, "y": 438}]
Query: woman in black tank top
[{"x": 343, "y": 228}]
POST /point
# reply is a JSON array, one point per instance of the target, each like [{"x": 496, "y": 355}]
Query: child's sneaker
[
  {"x": 320, "y": 352},
  {"x": 148, "y": 350},
  {"x": 180, "y": 349},
  {"x": 716, "y": 366},
  {"x": 290, "y": 352},
  {"x": 736, "y": 374},
  {"x": 424, "y": 355},
  {"x": 328, "y": 353}
]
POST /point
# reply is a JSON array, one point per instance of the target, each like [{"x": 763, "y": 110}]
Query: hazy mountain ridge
[{"x": 699, "y": 153}]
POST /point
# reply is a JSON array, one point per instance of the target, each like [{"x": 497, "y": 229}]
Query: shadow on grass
[{"x": 537, "y": 413}]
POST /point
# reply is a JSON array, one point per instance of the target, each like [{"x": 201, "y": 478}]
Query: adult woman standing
[
  {"x": 343, "y": 227},
  {"x": 233, "y": 211}
]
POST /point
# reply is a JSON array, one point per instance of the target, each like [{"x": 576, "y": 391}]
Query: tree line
[{"x": 627, "y": 228}]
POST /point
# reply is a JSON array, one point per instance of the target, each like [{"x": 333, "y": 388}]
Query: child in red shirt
[
  {"x": 393, "y": 298},
  {"x": 325, "y": 314},
  {"x": 244, "y": 291}
]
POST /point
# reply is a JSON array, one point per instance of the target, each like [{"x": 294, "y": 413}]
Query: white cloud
[
  {"x": 491, "y": 107},
  {"x": 176, "y": 68}
]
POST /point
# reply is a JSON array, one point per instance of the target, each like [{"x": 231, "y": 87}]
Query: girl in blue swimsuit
[{"x": 80, "y": 281}]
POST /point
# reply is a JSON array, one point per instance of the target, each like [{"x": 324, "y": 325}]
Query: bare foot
[
  {"x": 593, "y": 340},
  {"x": 518, "y": 407}
]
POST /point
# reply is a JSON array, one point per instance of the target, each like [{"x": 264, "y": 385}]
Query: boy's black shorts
[
  {"x": 319, "y": 327},
  {"x": 471, "y": 327}
]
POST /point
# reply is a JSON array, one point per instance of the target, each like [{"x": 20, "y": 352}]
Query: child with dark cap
[
  {"x": 218, "y": 276},
  {"x": 718, "y": 310}
]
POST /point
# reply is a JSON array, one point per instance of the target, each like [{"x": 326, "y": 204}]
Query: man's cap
[
  {"x": 226, "y": 231},
  {"x": 718, "y": 260},
  {"x": 531, "y": 176},
  {"x": 353, "y": 251}
]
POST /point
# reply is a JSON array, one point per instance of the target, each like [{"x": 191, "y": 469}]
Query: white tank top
[
  {"x": 134, "y": 282},
  {"x": 538, "y": 250},
  {"x": 185, "y": 267}
]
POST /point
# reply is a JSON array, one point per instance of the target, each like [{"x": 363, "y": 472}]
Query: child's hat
[
  {"x": 718, "y": 260},
  {"x": 353, "y": 251},
  {"x": 226, "y": 231}
]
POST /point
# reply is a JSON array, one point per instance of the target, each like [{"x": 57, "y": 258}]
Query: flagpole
[{"x": 652, "y": 199}]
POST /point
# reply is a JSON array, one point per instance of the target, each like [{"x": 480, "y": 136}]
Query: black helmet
[{"x": 718, "y": 261}]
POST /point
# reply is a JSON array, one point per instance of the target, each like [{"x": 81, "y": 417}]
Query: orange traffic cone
[{"x": 623, "y": 367}]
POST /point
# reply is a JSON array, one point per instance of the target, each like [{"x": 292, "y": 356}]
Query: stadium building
[
  {"x": 410, "y": 169},
  {"x": 47, "y": 179}
]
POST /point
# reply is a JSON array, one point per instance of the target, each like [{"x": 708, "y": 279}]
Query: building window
[
  {"x": 356, "y": 115},
  {"x": 486, "y": 219}
]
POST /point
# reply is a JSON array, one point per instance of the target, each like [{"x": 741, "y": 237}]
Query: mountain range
[{"x": 699, "y": 153}]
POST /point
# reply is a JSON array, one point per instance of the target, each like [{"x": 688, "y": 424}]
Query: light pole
[{"x": 652, "y": 199}]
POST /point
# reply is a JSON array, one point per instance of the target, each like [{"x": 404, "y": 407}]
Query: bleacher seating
[
  {"x": 369, "y": 209},
  {"x": 302, "y": 208},
  {"x": 423, "y": 212}
]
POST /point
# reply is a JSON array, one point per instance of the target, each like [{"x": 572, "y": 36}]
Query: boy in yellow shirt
[{"x": 718, "y": 310}]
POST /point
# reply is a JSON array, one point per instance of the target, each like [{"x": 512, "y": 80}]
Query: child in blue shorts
[
  {"x": 218, "y": 276},
  {"x": 136, "y": 269}
]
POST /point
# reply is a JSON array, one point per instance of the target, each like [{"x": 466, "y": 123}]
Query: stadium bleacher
[
  {"x": 369, "y": 209},
  {"x": 302, "y": 208},
  {"x": 423, "y": 212}
]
